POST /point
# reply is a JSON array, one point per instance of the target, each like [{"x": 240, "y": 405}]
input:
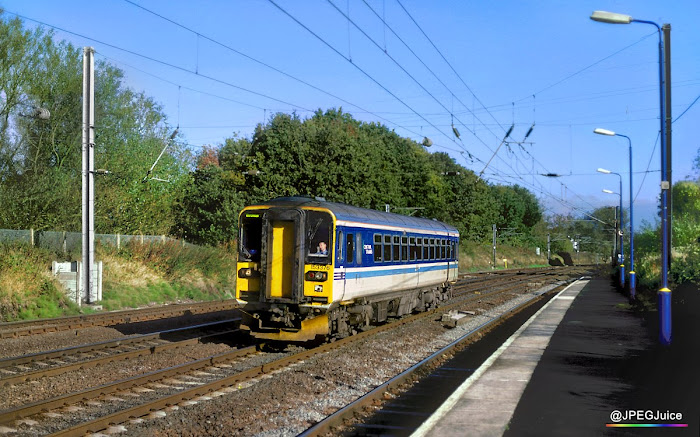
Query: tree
[
  {"x": 40, "y": 160},
  {"x": 686, "y": 200}
]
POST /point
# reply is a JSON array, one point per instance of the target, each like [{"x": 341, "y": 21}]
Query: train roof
[{"x": 355, "y": 214}]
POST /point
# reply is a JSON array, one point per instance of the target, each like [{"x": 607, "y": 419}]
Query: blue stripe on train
[{"x": 376, "y": 273}]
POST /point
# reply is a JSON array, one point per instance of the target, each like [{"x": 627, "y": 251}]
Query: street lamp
[
  {"x": 633, "y": 281},
  {"x": 664, "y": 295},
  {"x": 622, "y": 221}
]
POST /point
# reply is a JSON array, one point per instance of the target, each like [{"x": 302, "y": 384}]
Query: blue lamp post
[
  {"x": 664, "y": 294},
  {"x": 633, "y": 281},
  {"x": 622, "y": 222}
]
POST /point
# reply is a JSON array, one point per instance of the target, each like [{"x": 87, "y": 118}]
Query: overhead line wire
[
  {"x": 168, "y": 64},
  {"x": 426, "y": 66},
  {"x": 419, "y": 84},
  {"x": 587, "y": 67},
  {"x": 271, "y": 67},
  {"x": 327, "y": 44},
  {"x": 448, "y": 62},
  {"x": 179, "y": 85},
  {"x": 464, "y": 83}
]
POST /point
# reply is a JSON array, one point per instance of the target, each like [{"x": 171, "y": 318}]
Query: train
[{"x": 311, "y": 270}]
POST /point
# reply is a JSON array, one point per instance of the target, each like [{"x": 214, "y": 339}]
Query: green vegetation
[
  {"x": 27, "y": 290},
  {"x": 134, "y": 276},
  {"x": 685, "y": 266}
]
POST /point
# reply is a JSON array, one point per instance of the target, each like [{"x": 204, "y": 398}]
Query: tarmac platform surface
[{"x": 583, "y": 357}]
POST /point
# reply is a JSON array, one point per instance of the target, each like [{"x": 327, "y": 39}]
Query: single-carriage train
[{"x": 311, "y": 269}]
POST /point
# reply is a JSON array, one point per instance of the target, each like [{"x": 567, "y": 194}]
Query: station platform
[{"x": 574, "y": 365}]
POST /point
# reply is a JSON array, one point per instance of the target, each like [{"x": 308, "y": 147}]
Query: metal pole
[
  {"x": 493, "y": 266},
  {"x": 88, "y": 142},
  {"x": 664, "y": 295},
  {"x": 615, "y": 237},
  {"x": 633, "y": 281},
  {"x": 667, "y": 110},
  {"x": 622, "y": 237}
]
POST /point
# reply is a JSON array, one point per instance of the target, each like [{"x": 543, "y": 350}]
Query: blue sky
[{"x": 517, "y": 62}]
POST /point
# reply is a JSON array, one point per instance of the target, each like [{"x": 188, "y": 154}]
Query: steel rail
[
  {"x": 93, "y": 347},
  {"x": 7, "y": 416},
  {"x": 118, "y": 356},
  {"x": 30, "y": 327}
]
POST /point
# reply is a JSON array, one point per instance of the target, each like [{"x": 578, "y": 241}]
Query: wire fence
[{"x": 62, "y": 241}]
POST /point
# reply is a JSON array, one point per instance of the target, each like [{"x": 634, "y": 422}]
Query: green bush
[{"x": 687, "y": 268}]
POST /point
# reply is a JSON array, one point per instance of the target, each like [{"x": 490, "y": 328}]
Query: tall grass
[
  {"x": 133, "y": 276},
  {"x": 27, "y": 287},
  {"x": 166, "y": 272}
]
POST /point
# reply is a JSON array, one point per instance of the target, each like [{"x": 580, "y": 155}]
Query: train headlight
[
  {"x": 248, "y": 273},
  {"x": 317, "y": 276}
]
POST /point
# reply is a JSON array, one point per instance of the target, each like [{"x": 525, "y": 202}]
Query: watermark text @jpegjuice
[{"x": 645, "y": 416}]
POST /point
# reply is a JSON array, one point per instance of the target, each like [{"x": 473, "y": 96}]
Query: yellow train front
[{"x": 310, "y": 269}]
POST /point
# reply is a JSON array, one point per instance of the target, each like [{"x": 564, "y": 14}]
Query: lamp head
[
  {"x": 600, "y": 131},
  {"x": 602, "y": 170},
  {"x": 608, "y": 191},
  {"x": 610, "y": 17}
]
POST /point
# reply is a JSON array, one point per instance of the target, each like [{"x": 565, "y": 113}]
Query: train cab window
[
  {"x": 387, "y": 248},
  {"x": 397, "y": 248},
  {"x": 378, "y": 248},
  {"x": 432, "y": 248},
  {"x": 412, "y": 248},
  {"x": 404, "y": 248},
  {"x": 350, "y": 249},
  {"x": 359, "y": 249},
  {"x": 250, "y": 237},
  {"x": 319, "y": 237}
]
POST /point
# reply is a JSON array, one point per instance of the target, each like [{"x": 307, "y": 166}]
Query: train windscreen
[
  {"x": 319, "y": 237},
  {"x": 250, "y": 239}
]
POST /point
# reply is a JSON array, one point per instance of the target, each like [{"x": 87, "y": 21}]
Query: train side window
[
  {"x": 443, "y": 249},
  {"x": 378, "y": 248},
  {"x": 339, "y": 249},
  {"x": 387, "y": 248},
  {"x": 426, "y": 248},
  {"x": 452, "y": 250},
  {"x": 412, "y": 246},
  {"x": 350, "y": 249},
  {"x": 359, "y": 248},
  {"x": 432, "y": 248},
  {"x": 419, "y": 248},
  {"x": 404, "y": 248},
  {"x": 397, "y": 249}
]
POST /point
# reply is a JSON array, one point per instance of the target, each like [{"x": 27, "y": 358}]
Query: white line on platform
[{"x": 445, "y": 408}]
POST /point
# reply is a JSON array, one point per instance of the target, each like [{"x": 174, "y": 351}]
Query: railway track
[
  {"x": 32, "y": 327},
  {"x": 35, "y": 366},
  {"x": 168, "y": 389}
]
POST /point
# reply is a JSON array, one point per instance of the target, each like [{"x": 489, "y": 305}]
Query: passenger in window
[{"x": 322, "y": 250}]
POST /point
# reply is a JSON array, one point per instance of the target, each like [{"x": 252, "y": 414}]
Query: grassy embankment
[
  {"x": 134, "y": 276},
  {"x": 140, "y": 275}
]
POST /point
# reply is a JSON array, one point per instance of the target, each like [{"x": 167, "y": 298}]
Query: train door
[{"x": 283, "y": 276}]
